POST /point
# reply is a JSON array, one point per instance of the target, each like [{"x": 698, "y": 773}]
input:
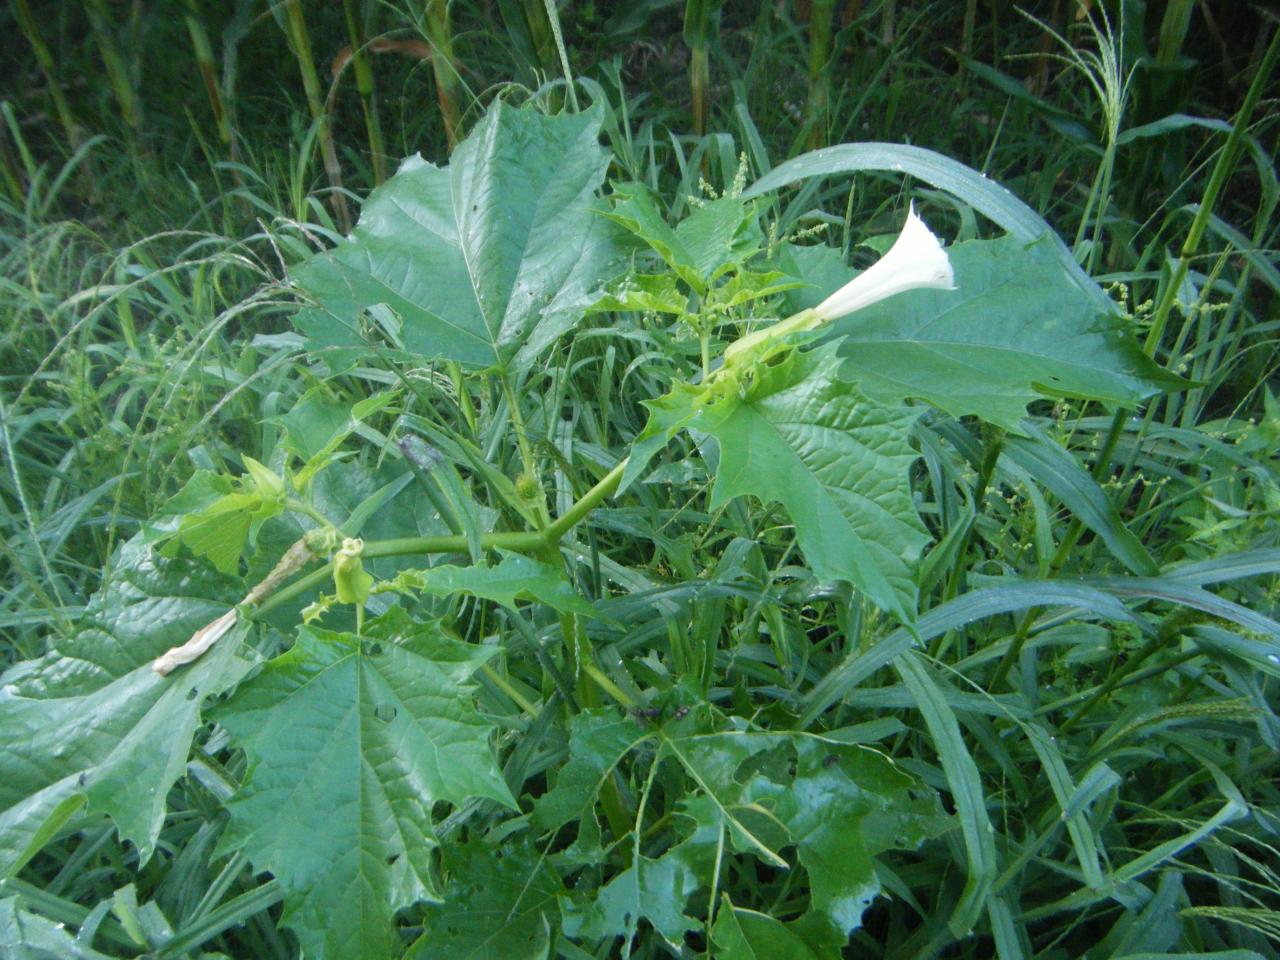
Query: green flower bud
[{"x": 349, "y": 576}]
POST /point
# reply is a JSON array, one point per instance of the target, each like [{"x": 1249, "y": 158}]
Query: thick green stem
[
  {"x": 531, "y": 542},
  {"x": 797, "y": 323},
  {"x": 590, "y": 500},
  {"x": 538, "y": 496},
  {"x": 519, "y": 542}
]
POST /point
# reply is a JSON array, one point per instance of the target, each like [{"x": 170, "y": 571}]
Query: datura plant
[{"x": 535, "y": 626}]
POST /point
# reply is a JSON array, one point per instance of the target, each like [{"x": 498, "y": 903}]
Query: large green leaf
[
  {"x": 498, "y": 906},
  {"x": 1016, "y": 327},
  {"x": 486, "y": 261},
  {"x": 837, "y": 461},
  {"x": 351, "y": 742},
  {"x": 91, "y": 722}
]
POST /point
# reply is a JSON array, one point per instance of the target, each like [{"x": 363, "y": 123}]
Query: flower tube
[{"x": 916, "y": 260}]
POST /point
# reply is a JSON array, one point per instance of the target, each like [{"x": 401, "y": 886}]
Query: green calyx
[{"x": 350, "y": 579}]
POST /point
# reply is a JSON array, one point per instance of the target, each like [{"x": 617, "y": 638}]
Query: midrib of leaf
[
  {"x": 488, "y": 176},
  {"x": 864, "y": 560},
  {"x": 839, "y": 434},
  {"x": 767, "y": 854}
]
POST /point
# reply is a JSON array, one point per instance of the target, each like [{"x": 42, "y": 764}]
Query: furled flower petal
[{"x": 915, "y": 260}]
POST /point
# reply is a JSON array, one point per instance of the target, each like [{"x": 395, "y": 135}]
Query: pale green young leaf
[
  {"x": 645, "y": 293},
  {"x": 351, "y": 743},
  {"x": 486, "y": 261},
  {"x": 634, "y": 208},
  {"x": 218, "y": 517},
  {"x": 715, "y": 237},
  {"x": 720, "y": 235}
]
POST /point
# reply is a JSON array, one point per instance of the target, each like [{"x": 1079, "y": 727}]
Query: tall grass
[{"x": 145, "y": 335}]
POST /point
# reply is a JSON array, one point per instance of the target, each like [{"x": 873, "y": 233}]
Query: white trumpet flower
[{"x": 916, "y": 260}]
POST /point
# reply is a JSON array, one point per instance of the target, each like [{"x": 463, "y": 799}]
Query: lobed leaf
[
  {"x": 486, "y": 261},
  {"x": 91, "y": 723},
  {"x": 838, "y": 462},
  {"x": 351, "y": 742},
  {"x": 499, "y": 905},
  {"x": 515, "y": 577}
]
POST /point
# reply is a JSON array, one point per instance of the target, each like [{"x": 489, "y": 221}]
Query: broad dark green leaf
[
  {"x": 1016, "y": 327},
  {"x": 486, "y": 261},
  {"x": 91, "y": 721},
  {"x": 499, "y": 905},
  {"x": 741, "y": 934},
  {"x": 838, "y": 462},
  {"x": 351, "y": 743}
]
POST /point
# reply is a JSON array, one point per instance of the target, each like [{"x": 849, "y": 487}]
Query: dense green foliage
[{"x": 397, "y": 564}]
